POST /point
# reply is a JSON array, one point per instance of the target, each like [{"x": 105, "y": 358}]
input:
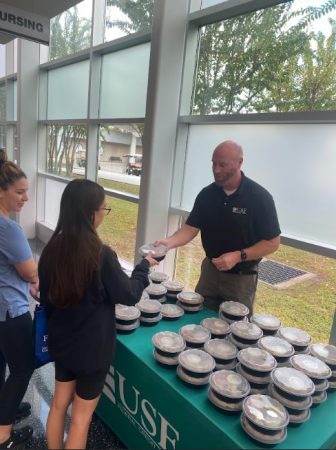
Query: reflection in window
[
  {"x": 279, "y": 59},
  {"x": 2, "y": 136},
  {"x": 3, "y": 101},
  {"x": 67, "y": 150},
  {"x": 126, "y": 17},
  {"x": 118, "y": 229},
  {"x": 70, "y": 31},
  {"x": 120, "y": 157}
]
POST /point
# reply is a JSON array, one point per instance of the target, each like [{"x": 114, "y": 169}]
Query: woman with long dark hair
[
  {"x": 81, "y": 280},
  {"x": 17, "y": 271}
]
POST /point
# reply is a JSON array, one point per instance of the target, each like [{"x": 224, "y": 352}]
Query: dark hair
[
  {"x": 9, "y": 171},
  {"x": 71, "y": 257}
]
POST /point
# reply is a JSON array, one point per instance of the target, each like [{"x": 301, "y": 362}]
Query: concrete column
[{"x": 27, "y": 108}]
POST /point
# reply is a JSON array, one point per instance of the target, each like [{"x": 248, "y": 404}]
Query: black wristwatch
[{"x": 243, "y": 255}]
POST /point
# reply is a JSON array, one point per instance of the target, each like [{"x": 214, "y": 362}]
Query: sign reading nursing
[{"x": 24, "y": 24}]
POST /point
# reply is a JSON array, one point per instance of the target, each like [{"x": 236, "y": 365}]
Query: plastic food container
[
  {"x": 127, "y": 317},
  {"x": 157, "y": 252},
  {"x": 299, "y": 339},
  {"x": 195, "y": 336},
  {"x": 223, "y": 352},
  {"x": 150, "y": 311},
  {"x": 227, "y": 390},
  {"x": 313, "y": 367},
  {"x": 167, "y": 345},
  {"x": 190, "y": 301},
  {"x": 256, "y": 366},
  {"x": 233, "y": 311},
  {"x": 217, "y": 327},
  {"x": 281, "y": 349},
  {"x": 246, "y": 332},
  {"x": 171, "y": 311},
  {"x": 173, "y": 288},
  {"x": 293, "y": 384},
  {"x": 267, "y": 322},
  {"x": 264, "y": 419},
  {"x": 326, "y": 353},
  {"x": 156, "y": 292},
  {"x": 158, "y": 277},
  {"x": 195, "y": 366}
]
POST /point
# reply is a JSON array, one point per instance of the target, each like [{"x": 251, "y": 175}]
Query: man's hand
[
  {"x": 226, "y": 261},
  {"x": 34, "y": 291}
]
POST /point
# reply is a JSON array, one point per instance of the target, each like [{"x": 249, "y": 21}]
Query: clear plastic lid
[
  {"x": 311, "y": 366},
  {"x": 266, "y": 321},
  {"x": 158, "y": 251},
  {"x": 216, "y": 326},
  {"x": 149, "y": 306},
  {"x": 171, "y": 310},
  {"x": 190, "y": 297},
  {"x": 158, "y": 276},
  {"x": 168, "y": 341},
  {"x": 156, "y": 289},
  {"x": 293, "y": 381},
  {"x": 266, "y": 412},
  {"x": 326, "y": 352},
  {"x": 221, "y": 348},
  {"x": 295, "y": 336},
  {"x": 124, "y": 312},
  {"x": 276, "y": 346},
  {"x": 144, "y": 296},
  {"x": 195, "y": 333},
  {"x": 173, "y": 285},
  {"x": 196, "y": 360},
  {"x": 229, "y": 384},
  {"x": 257, "y": 359},
  {"x": 246, "y": 330},
  {"x": 234, "y": 308}
]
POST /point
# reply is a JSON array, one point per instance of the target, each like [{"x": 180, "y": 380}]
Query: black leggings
[{"x": 16, "y": 351}]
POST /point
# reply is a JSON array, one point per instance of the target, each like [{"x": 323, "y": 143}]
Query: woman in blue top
[{"x": 17, "y": 271}]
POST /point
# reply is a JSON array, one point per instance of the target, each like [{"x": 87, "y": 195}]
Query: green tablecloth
[{"x": 148, "y": 406}]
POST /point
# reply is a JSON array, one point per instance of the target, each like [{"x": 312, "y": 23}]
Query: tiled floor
[{"x": 39, "y": 394}]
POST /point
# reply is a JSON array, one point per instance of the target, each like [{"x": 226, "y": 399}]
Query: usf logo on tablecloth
[{"x": 141, "y": 413}]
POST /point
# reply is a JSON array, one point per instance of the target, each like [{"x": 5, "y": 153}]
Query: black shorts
[{"x": 88, "y": 385}]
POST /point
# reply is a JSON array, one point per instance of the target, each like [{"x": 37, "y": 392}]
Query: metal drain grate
[{"x": 274, "y": 273}]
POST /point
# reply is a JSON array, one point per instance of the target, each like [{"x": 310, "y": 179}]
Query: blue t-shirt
[{"x": 14, "y": 249}]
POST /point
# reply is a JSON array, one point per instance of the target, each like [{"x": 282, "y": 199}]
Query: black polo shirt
[{"x": 233, "y": 222}]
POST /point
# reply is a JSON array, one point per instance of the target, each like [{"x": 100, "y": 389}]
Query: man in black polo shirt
[{"x": 239, "y": 225}]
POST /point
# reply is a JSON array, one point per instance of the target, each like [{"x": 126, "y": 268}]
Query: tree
[
  {"x": 69, "y": 33},
  {"x": 63, "y": 141},
  {"x": 138, "y": 12}
]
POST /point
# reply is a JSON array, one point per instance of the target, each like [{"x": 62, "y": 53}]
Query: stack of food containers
[
  {"x": 256, "y": 366},
  {"x": 244, "y": 334},
  {"x": 190, "y": 301},
  {"x": 293, "y": 389},
  {"x": 217, "y": 327},
  {"x": 281, "y": 349},
  {"x": 267, "y": 322},
  {"x": 156, "y": 291},
  {"x": 317, "y": 371},
  {"x": 223, "y": 352},
  {"x": 195, "y": 366},
  {"x": 299, "y": 339},
  {"x": 173, "y": 288},
  {"x": 195, "y": 336},
  {"x": 150, "y": 311},
  {"x": 233, "y": 311},
  {"x": 168, "y": 345},
  {"x": 171, "y": 311},
  {"x": 327, "y": 354},
  {"x": 227, "y": 390},
  {"x": 127, "y": 317},
  {"x": 264, "y": 419},
  {"x": 158, "y": 277}
]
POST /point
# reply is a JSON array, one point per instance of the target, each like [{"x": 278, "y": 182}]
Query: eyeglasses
[{"x": 106, "y": 211}]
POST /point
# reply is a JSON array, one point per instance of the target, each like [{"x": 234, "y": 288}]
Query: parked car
[{"x": 133, "y": 164}]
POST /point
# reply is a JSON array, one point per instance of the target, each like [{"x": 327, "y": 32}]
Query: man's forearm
[
  {"x": 182, "y": 236},
  {"x": 262, "y": 248}
]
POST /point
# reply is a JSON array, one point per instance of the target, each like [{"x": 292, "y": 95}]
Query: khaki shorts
[{"x": 217, "y": 287}]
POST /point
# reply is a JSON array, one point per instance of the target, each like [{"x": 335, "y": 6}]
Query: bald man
[{"x": 238, "y": 222}]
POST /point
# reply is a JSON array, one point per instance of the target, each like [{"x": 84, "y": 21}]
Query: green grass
[{"x": 309, "y": 305}]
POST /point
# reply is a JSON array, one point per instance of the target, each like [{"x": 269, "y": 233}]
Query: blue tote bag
[{"x": 42, "y": 355}]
